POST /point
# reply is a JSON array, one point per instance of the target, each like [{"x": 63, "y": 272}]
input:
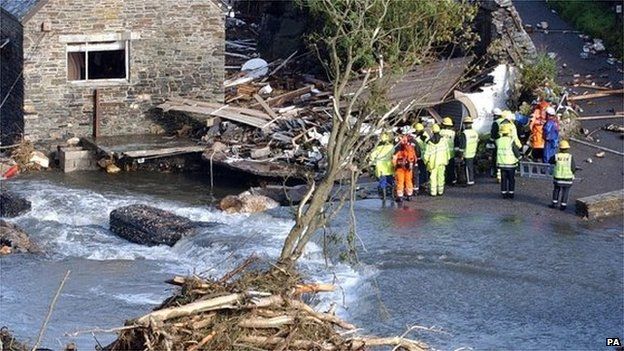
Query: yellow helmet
[
  {"x": 468, "y": 119},
  {"x": 564, "y": 145},
  {"x": 418, "y": 127},
  {"x": 385, "y": 137},
  {"x": 505, "y": 129},
  {"x": 447, "y": 121},
  {"x": 435, "y": 128}
]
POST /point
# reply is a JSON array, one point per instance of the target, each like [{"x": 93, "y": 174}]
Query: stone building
[
  {"x": 131, "y": 54},
  {"x": 11, "y": 83}
]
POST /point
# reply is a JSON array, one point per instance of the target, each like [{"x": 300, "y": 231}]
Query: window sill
[{"x": 99, "y": 82}]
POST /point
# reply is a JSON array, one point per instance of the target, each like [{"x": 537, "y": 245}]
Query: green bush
[
  {"x": 594, "y": 18},
  {"x": 537, "y": 74}
]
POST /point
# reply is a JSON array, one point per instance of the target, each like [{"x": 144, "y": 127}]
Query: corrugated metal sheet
[{"x": 19, "y": 8}]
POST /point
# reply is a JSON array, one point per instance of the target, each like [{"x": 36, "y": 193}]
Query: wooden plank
[
  {"x": 590, "y": 118},
  {"x": 596, "y": 87},
  {"x": 596, "y": 95},
  {"x": 216, "y": 105},
  {"x": 266, "y": 107},
  {"x": 280, "y": 66},
  {"x": 164, "y": 152},
  {"x": 289, "y": 96}
]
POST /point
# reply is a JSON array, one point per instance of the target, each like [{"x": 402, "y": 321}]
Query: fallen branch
[
  {"x": 313, "y": 288},
  {"x": 411, "y": 345},
  {"x": 101, "y": 331},
  {"x": 222, "y": 302},
  {"x": 265, "y": 323},
  {"x": 203, "y": 341},
  {"x": 50, "y": 309},
  {"x": 238, "y": 269},
  {"x": 321, "y": 316}
]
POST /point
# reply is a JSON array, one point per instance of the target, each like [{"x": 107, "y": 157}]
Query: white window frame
[{"x": 97, "y": 46}]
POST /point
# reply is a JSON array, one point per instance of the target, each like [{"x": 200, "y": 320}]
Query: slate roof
[{"x": 19, "y": 8}]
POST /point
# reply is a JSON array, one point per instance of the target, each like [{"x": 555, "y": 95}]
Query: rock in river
[
  {"x": 11, "y": 205},
  {"x": 150, "y": 226},
  {"x": 13, "y": 239}
]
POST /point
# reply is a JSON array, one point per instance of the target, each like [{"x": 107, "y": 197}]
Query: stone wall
[
  {"x": 501, "y": 25},
  {"x": 11, "y": 84},
  {"x": 176, "y": 48}
]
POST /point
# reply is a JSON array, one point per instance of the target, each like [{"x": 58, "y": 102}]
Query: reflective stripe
[
  {"x": 472, "y": 140},
  {"x": 504, "y": 153},
  {"x": 449, "y": 135},
  {"x": 563, "y": 167},
  {"x": 436, "y": 155}
]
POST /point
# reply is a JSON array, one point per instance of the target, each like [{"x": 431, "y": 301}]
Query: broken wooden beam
[
  {"x": 286, "y": 97},
  {"x": 163, "y": 152},
  {"x": 603, "y": 93},
  {"x": 590, "y": 118}
]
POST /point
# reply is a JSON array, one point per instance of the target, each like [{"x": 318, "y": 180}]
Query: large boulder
[
  {"x": 150, "y": 226},
  {"x": 14, "y": 240},
  {"x": 247, "y": 203},
  {"x": 12, "y": 205}
]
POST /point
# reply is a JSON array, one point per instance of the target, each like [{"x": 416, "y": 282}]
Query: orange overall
[{"x": 404, "y": 160}]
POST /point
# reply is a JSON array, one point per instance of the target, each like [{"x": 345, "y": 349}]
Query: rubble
[
  {"x": 38, "y": 158},
  {"x": 247, "y": 202}
]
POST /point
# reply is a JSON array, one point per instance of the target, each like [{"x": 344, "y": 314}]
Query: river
[{"x": 486, "y": 281}]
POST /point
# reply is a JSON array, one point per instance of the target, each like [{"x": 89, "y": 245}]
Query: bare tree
[{"x": 364, "y": 46}]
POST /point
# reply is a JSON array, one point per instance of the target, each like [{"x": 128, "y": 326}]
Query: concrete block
[
  {"x": 601, "y": 205},
  {"x": 77, "y": 159}
]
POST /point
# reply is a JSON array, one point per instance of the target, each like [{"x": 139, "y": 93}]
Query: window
[{"x": 97, "y": 60}]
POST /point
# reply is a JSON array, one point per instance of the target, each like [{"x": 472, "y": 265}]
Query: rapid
[{"x": 483, "y": 280}]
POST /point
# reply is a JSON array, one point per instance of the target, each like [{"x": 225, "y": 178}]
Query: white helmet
[
  {"x": 551, "y": 111},
  {"x": 497, "y": 111}
]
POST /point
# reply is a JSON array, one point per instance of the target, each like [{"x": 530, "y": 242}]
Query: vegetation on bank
[
  {"x": 594, "y": 18},
  {"x": 540, "y": 73}
]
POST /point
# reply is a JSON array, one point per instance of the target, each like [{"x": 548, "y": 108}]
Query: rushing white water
[
  {"x": 490, "y": 280},
  {"x": 71, "y": 224}
]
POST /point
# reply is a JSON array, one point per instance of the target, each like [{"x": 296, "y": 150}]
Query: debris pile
[
  {"x": 271, "y": 113},
  {"x": 259, "y": 310}
]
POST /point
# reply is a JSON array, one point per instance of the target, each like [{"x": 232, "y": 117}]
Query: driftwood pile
[{"x": 258, "y": 311}]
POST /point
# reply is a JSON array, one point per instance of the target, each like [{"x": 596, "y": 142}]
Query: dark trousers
[
  {"x": 416, "y": 178},
  {"x": 563, "y": 190},
  {"x": 423, "y": 175},
  {"x": 538, "y": 155},
  {"x": 508, "y": 181},
  {"x": 450, "y": 172},
  {"x": 469, "y": 169}
]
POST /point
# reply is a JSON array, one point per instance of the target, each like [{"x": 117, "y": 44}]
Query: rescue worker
[
  {"x": 491, "y": 145},
  {"x": 536, "y": 139},
  {"x": 563, "y": 175},
  {"x": 381, "y": 158},
  {"x": 507, "y": 156},
  {"x": 448, "y": 134},
  {"x": 403, "y": 160},
  {"x": 467, "y": 143},
  {"x": 436, "y": 160},
  {"x": 551, "y": 134},
  {"x": 504, "y": 118},
  {"x": 420, "y": 140}
]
